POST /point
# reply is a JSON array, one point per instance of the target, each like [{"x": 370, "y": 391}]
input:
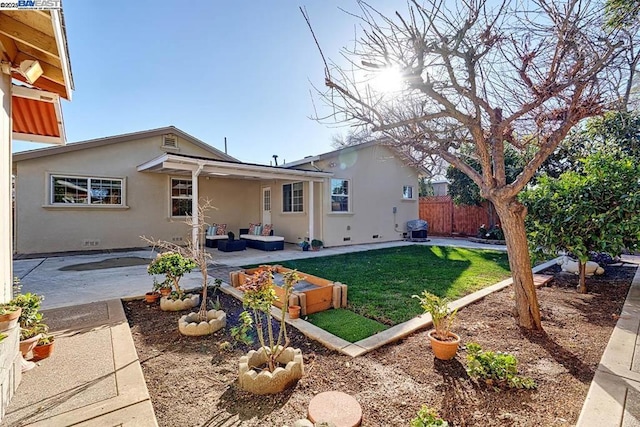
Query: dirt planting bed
[{"x": 193, "y": 381}]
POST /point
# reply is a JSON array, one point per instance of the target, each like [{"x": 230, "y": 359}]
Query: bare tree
[{"x": 521, "y": 74}]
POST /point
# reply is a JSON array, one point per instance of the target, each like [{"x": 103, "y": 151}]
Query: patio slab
[{"x": 93, "y": 377}]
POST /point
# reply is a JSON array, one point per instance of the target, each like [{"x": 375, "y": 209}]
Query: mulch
[{"x": 193, "y": 380}]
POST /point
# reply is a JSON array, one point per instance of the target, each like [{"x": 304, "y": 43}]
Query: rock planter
[
  {"x": 190, "y": 301},
  {"x": 189, "y": 324},
  {"x": 267, "y": 382}
]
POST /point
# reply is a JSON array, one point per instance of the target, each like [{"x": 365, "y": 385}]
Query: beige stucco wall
[
  {"x": 42, "y": 228},
  {"x": 376, "y": 176}
]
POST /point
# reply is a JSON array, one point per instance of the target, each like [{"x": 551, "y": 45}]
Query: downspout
[{"x": 195, "y": 218}]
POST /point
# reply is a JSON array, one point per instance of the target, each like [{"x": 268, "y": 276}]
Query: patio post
[
  {"x": 311, "y": 213},
  {"x": 6, "y": 199},
  {"x": 195, "y": 218}
]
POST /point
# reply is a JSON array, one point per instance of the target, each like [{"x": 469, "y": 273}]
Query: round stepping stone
[{"x": 335, "y": 407}]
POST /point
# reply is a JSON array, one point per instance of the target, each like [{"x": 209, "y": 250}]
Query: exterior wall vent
[
  {"x": 346, "y": 239},
  {"x": 375, "y": 236},
  {"x": 90, "y": 243},
  {"x": 170, "y": 141}
]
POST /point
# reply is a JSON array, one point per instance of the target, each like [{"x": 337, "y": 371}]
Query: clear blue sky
[{"x": 241, "y": 69}]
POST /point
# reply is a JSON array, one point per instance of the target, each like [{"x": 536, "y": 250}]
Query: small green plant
[
  {"x": 428, "y": 417},
  {"x": 8, "y": 308},
  {"x": 495, "y": 368},
  {"x": 173, "y": 265},
  {"x": 240, "y": 333},
  {"x": 225, "y": 346},
  {"x": 46, "y": 339},
  {"x": 315, "y": 243},
  {"x": 439, "y": 310}
]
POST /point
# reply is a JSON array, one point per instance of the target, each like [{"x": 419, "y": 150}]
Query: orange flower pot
[
  {"x": 151, "y": 297},
  {"x": 444, "y": 350},
  {"x": 294, "y": 311},
  {"x": 42, "y": 351}
]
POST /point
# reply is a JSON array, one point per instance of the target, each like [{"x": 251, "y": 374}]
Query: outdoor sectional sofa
[{"x": 265, "y": 243}]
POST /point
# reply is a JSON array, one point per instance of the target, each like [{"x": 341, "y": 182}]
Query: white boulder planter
[
  {"x": 266, "y": 382},
  {"x": 190, "y": 325},
  {"x": 190, "y": 301}
]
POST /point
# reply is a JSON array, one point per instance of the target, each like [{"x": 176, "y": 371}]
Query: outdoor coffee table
[{"x": 232, "y": 245}]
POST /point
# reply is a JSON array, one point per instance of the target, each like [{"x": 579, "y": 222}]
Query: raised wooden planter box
[{"x": 313, "y": 294}]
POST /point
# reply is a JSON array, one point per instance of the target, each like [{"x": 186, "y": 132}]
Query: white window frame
[
  {"x": 172, "y": 197},
  {"x": 293, "y": 204},
  {"x": 51, "y": 201},
  {"x": 412, "y": 197},
  {"x": 348, "y": 195}
]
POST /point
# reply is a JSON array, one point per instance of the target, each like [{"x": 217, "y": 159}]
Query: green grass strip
[{"x": 346, "y": 324}]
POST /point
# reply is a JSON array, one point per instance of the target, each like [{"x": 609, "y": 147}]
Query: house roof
[
  {"x": 180, "y": 164},
  {"x": 99, "y": 142},
  {"x": 350, "y": 148}
]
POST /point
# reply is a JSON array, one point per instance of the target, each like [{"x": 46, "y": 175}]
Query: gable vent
[{"x": 170, "y": 141}]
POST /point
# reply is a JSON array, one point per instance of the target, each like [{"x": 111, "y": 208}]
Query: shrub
[
  {"x": 173, "y": 265},
  {"x": 495, "y": 368},
  {"x": 428, "y": 417},
  {"x": 439, "y": 310}
]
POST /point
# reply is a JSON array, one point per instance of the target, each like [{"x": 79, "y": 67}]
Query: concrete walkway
[
  {"x": 93, "y": 378},
  {"x": 614, "y": 396}
]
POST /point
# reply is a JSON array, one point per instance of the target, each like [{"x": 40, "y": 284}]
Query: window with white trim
[
  {"x": 407, "y": 192},
  {"x": 340, "y": 194},
  {"x": 86, "y": 190},
  {"x": 292, "y": 197},
  {"x": 181, "y": 197}
]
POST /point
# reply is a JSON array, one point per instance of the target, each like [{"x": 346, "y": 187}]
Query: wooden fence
[{"x": 446, "y": 219}]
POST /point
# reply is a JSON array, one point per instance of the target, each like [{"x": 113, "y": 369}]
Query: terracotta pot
[
  {"x": 27, "y": 345},
  {"x": 9, "y": 320},
  {"x": 165, "y": 291},
  {"x": 151, "y": 297},
  {"x": 294, "y": 311},
  {"x": 42, "y": 351},
  {"x": 444, "y": 350}
]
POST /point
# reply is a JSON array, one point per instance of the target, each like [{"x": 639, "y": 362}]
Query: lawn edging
[{"x": 387, "y": 336}]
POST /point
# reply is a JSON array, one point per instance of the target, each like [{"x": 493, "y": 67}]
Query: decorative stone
[
  {"x": 335, "y": 408},
  {"x": 303, "y": 423},
  {"x": 571, "y": 266},
  {"x": 267, "y": 382},
  {"x": 190, "y": 325},
  {"x": 190, "y": 301}
]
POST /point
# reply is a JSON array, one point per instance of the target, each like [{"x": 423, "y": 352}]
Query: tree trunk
[
  {"x": 511, "y": 214},
  {"x": 582, "y": 269}
]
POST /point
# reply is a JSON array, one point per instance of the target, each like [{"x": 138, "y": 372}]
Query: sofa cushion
[
  {"x": 262, "y": 238},
  {"x": 252, "y": 227},
  {"x": 222, "y": 230},
  {"x": 217, "y": 237},
  {"x": 266, "y": 229}
]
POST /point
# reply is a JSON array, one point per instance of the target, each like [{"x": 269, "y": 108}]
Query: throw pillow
[
  {"x": 257, "y": 230},
  {"x": 211, "y": 230},
  {"x": 252, "y": 228},
  {"x": 222, "y": 230},
  {"x": 266, "y": 230}
]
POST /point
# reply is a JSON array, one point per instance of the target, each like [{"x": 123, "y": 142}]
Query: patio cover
[{"x": 180, "y": 164}]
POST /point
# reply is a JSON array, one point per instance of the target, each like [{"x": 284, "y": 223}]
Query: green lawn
[
  {"x": 382, "y": 281},
  {"x": 346, "y": 324}
]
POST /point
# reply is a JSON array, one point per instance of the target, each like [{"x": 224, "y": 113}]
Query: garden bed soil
[{"x": 193, "y": 380}]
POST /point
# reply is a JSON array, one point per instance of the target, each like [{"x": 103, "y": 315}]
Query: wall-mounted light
[{"x": 31, "y": 70}]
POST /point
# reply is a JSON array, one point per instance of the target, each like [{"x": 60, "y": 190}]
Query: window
[
  {"x": 339, "y": 195},
  {"x": 292, "y": 197},
  {"x": 407, "y": 192},
  {"x": 86, "y": 191},
  {"x": 181, "y": 197}
]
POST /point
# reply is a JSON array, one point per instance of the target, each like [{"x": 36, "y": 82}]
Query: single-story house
[{"x": 105, "y": 193}]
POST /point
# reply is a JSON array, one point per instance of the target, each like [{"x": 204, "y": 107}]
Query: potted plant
[
  {"x": 443, "y": 342},
  {"x": 44, "y": 348},
  {"x": 304, "y": 245},
  {"x": 294, "y": 311},
  {"x": 174, "y": 265},
  {"x": 274, "y": 366},
  {"x": 316, "y": 244},
  {"x": 153, "y": 295},
  {"x": 9, "y": 316}
]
